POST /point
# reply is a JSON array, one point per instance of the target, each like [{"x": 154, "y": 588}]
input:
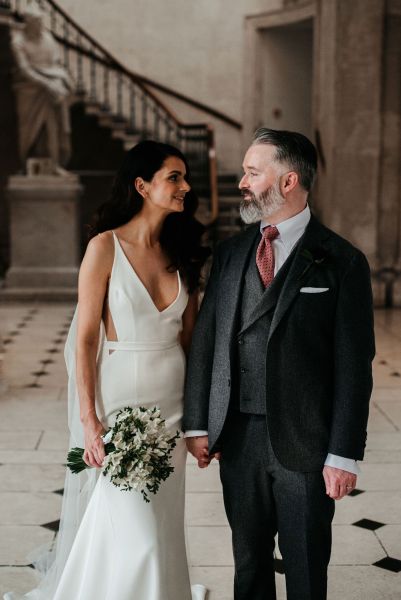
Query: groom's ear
[{"x": 288, "y": 182}]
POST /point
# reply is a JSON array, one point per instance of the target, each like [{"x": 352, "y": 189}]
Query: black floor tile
[
  {"x": 356, "y": 492},
  {"x": 18, "y": 566},
  {"x": 53, "y": 526},
  {"x": 389, "y": 563},
  {"x": 368, "y": 524}
]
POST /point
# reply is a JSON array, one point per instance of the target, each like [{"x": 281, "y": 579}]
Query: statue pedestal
[{"x": 44, "y": 238}]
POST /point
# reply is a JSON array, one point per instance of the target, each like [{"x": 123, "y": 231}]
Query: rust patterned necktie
[{"x": 265, "y": 255}]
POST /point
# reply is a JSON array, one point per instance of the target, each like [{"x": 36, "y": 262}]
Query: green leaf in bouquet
[{"x": 75, "y": 458}]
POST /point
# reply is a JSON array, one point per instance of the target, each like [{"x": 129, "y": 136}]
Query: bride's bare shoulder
[{"x": 100, "y": 248}]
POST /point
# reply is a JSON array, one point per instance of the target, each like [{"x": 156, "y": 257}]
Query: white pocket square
[{"x": 313, "y": 290}]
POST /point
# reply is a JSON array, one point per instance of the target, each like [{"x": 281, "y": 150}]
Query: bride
[{"x": 126, "y": 347}]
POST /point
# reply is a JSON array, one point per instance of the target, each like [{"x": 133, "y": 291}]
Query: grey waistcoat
[{"x": 249, "y": 389}]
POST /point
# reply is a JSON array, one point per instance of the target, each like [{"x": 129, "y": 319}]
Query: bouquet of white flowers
[{"x": 138, "y": 450}]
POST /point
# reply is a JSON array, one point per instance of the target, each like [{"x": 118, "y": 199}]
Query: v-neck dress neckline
[{"x": 119, "y": 247}]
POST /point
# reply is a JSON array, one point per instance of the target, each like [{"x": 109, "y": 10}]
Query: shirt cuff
[
  {"x": 195, "y": 433},
  {"x": 345, "y": 464}
]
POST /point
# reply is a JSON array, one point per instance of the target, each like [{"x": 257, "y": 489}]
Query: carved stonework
[{"x": 43, "y": 88}]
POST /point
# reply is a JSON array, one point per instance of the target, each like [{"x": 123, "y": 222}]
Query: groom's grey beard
[{"x": 261, "y": 206}]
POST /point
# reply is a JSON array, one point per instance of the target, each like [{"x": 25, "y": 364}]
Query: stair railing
[{"x": 122, "y": 96}]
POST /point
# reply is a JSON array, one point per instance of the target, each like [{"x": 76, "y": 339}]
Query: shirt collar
[{"x": 291, "y": 229}]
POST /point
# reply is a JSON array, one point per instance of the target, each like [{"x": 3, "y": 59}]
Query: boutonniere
[{"x": 317, "y": 257}]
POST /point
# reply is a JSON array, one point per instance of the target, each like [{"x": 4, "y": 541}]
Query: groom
[{"x": 279, "y": 375}]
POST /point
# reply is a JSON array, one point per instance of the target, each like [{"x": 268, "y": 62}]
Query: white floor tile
[
  {"x": 209, "y": 546},
  {"x": 23, "y": 440},
  {"x": 205, "y": 509},
  {"x": 355, "y": 546},
  {"x": 18, "y": 542},
  {"x": 31, "y": 478},
  {"x": 390, "y": 537},
  {"x": 362, "y": 583},
  {"x": 16, "y": 579},
  {"x": 384, "y": 507},
  {"x": 29, "y": 508}
]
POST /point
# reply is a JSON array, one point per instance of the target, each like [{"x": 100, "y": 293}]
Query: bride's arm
[
  {"x": 188, "y": 321},
  {"x": 92, "y": 286}
]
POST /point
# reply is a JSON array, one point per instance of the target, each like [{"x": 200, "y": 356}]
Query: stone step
[
  {"x": 224, "y": 178},
  {"x": 228, "y": 189},
  {"x": 50, "y": 294},
  {"x": 228, "y": 201},
  {"x": 128, "y": 139},
  {"x": 95, "y": 108},
  {"x": 112, "y": 122}
]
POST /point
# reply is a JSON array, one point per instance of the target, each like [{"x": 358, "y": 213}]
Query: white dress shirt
[{"x": 290, "y": 231}]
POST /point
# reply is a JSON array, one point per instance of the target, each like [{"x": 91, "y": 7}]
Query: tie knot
[{"x": 270, "y": 232}]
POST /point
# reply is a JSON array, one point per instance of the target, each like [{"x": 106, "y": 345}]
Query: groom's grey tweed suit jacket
[{"x": 318, "y": 349}]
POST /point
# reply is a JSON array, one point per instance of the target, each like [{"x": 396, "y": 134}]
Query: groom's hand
[
  {"x": 198, "y": 446},
  {"x": 339, "y": 483}
]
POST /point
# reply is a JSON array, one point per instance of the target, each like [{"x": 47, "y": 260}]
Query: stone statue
[{"x": 43, "y": 87}]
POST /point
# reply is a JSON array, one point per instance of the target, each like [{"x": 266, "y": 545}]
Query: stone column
[
  {"x": 44, "y": 237},
  {"x": 389, "y": 232},
  {"x": 348, "y": 120}
]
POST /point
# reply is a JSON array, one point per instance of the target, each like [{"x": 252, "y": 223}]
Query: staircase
[
  {"x": 228, "y": 222},
  {"x": 114, "y": 108}
]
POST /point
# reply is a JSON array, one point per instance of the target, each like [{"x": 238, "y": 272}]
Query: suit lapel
[
  {"x": 232, "y": 281},
  {"x": 270, "y": 297},
  {"x": 313, "y": 236}
]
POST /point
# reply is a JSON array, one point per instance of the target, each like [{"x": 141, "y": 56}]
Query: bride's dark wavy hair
[{"x": 181, "y": 234}]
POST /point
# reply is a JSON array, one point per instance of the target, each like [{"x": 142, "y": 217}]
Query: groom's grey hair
[{"x": 293, "y": 149}]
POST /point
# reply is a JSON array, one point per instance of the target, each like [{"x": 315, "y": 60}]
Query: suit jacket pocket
[{"x": 313, "y": 290}]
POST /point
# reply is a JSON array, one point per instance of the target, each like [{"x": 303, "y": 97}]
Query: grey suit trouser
[{"x": 262, "y": 498}]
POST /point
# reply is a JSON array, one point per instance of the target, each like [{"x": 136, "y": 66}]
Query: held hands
[
  {"x": 198, "y": 446},
  {"x": 339, "y": 483},
  {"x": 94, "y": 448}
]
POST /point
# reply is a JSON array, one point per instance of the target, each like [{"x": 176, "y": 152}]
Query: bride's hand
[{"x": 94, "y": 447}]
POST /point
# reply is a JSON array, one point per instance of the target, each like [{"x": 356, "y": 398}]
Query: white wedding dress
[{"x": 125, "y": 548}]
